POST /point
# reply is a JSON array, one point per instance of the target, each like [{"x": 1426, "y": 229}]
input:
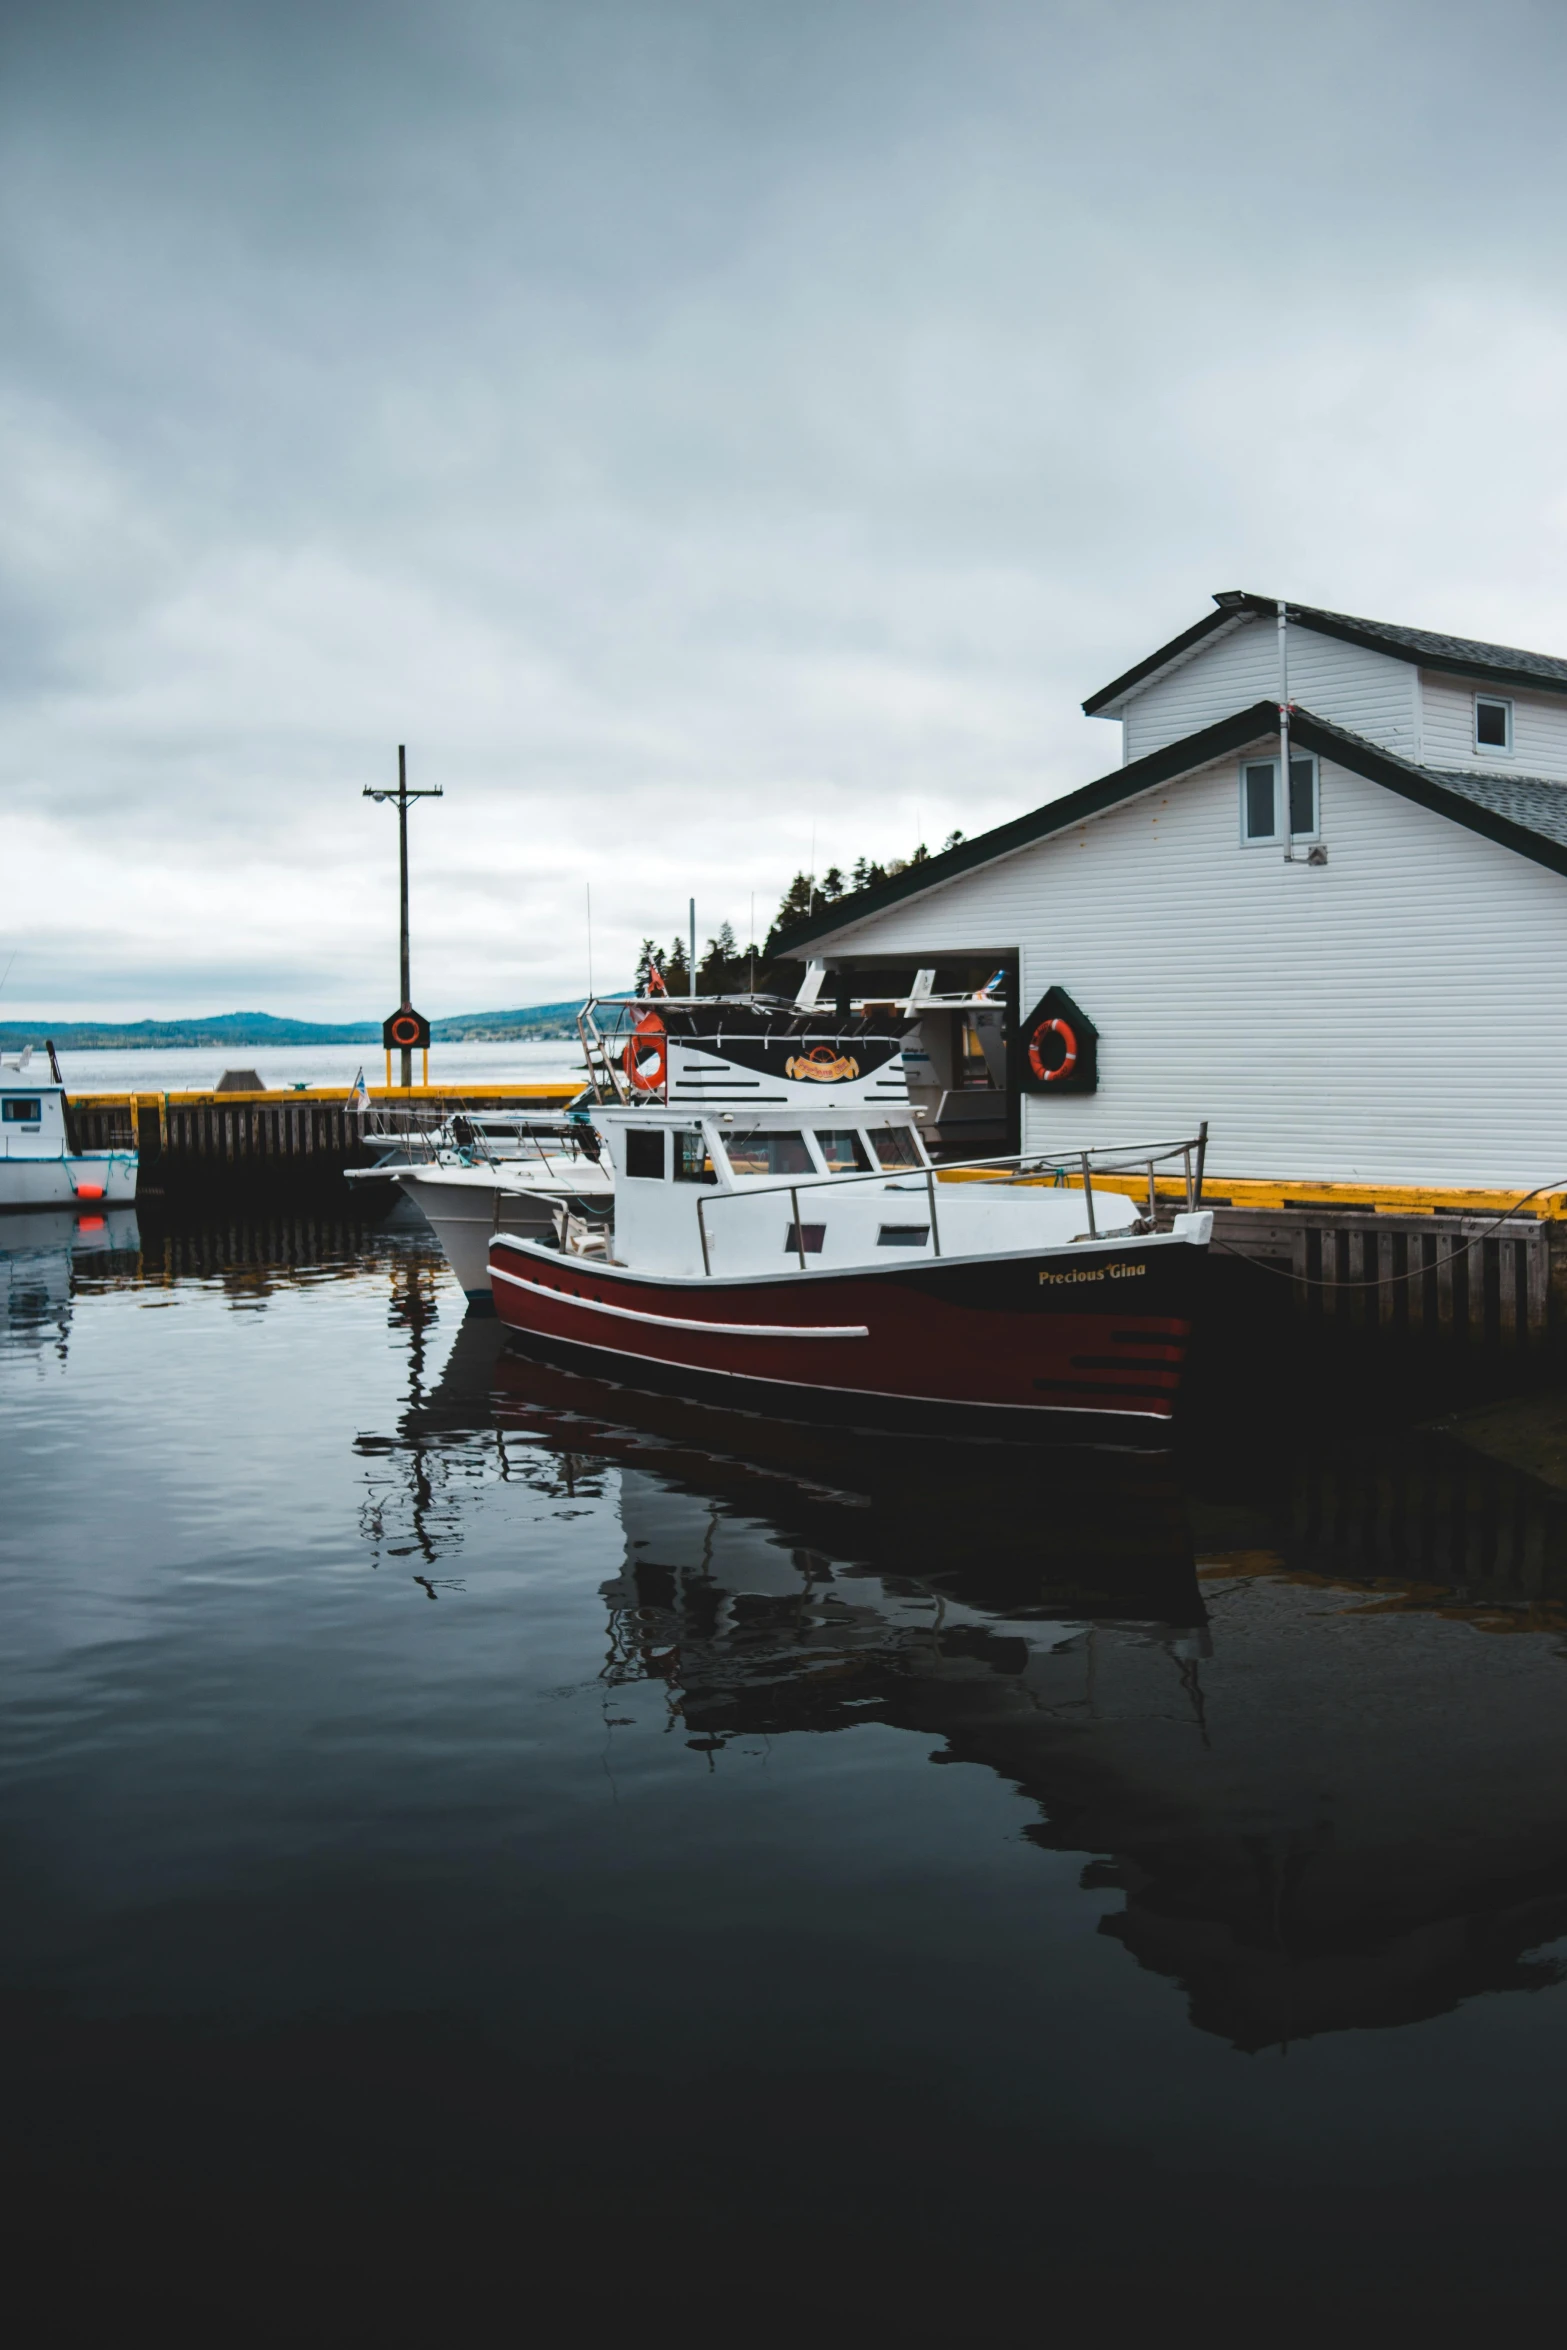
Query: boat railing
[{"x": 1065, "y": 1170}]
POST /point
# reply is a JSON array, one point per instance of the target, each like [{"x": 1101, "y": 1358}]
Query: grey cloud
[{"x": 689, "y": 425}]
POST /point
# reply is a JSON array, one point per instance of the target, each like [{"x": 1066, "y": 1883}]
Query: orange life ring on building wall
[
  {"x": 1062, "y": 1029},
  {"x": 648, "y": 1037}
]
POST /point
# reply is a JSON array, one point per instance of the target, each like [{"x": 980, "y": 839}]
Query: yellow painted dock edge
[
  {"x": 318, "y": 1097},
  {"x": 1387, "y": 1199}
]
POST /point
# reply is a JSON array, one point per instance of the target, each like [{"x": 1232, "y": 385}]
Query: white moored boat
[
  {"x": 480, "y": 1173},
  {"x": 38, "y": 1168},
  {"x": 782, "y": 1240}
]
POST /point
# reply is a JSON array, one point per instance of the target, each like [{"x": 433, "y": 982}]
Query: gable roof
[
  {"x": 1526, "y": 813},
  {"x": 1461, "y": 656}
]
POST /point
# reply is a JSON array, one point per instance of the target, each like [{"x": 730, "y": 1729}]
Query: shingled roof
[
  {"x": 1460, "y": 656},
  {"x": 1527, "y": 813}
]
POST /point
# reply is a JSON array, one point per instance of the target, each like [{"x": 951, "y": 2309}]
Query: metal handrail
[{"x": 1106, "y": 1159}]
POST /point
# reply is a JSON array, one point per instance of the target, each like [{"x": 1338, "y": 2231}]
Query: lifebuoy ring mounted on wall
[
  {"x": 1068, "y": 1038},
  {"x": 405, "y": 1029},
  {"x": 647, "y": 1036}
]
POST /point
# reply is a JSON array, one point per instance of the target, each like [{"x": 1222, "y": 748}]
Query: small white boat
[
  {"x": 481, "y": 1172},
  {"x": 38, "y": 1168},
  {"x": 466, "y": 1206}
]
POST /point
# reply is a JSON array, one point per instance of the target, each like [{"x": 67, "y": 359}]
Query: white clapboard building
[{"x": 1381, "y": 1000}]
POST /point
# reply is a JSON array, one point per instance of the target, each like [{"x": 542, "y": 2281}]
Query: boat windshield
[
  {"x": 895, "y": 1146},
  {"x": 761, "y": 1153},
  {"x": 842, "y": 1150}
]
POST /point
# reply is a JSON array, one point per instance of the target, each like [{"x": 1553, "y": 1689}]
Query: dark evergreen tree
[
  {"x": 650, "y": 959},
  {"x": 721, "y": 965},
  {"x": 832, "y": 885},
  {"x": 677, "y": 975},
  {"x": 795, "y": 906}
]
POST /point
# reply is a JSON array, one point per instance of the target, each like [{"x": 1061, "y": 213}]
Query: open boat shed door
[{"x": 960, "y": 1052}]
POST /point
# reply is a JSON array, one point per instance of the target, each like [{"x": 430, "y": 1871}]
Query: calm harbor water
[{"x": 471, "y": 1831}]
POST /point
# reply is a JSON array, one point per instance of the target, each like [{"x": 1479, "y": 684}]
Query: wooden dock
[
  {"x": 1407, "y": 1261},
  {"x": 276, "y": 1141},
  {"x": 1431, "y": 1266}
]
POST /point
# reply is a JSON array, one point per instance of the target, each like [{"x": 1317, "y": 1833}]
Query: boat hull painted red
[{"x": 1044, "y": 1347}]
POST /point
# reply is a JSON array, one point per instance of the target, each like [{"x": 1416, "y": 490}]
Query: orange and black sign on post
[{"x": 406, "y": 1032}]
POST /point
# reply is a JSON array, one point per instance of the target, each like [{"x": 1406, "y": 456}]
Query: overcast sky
[{"x": 699, "y": 426}]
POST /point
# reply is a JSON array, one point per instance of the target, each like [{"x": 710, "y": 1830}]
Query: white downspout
[{"x": 1290, "y": 857}]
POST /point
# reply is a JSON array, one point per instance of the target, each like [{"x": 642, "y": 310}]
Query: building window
[
  {"x": 645, "y": 1151},
  {"x": 1260, "y": 799},
  {"x": 1493, "y": 723}
]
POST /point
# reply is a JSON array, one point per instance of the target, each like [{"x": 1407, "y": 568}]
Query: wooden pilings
[
  {"x": 209, "y": 1142},
  {"x": 1443, "y": 1278}
]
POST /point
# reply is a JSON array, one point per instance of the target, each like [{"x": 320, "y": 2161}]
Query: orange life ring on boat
[
  {"x": 648, "y": 1036},
  {"x": 1068, "y": 1038}
]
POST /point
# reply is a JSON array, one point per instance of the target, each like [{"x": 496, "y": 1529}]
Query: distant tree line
[{"x": 727, "y": 968}]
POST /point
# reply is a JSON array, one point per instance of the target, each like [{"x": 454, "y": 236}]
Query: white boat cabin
[
  {"x": 748, "y": 1137},
  {"x": 38, "y": 1168},
  {"x": 32, "y": 1111},
  {"x": 743, "y": 1192}
]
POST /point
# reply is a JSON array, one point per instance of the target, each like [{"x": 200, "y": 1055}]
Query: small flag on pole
[{"x": 359, "y": 1092}]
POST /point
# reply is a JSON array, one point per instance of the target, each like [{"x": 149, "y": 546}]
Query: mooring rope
[{"x": 1415, "y": 1272}]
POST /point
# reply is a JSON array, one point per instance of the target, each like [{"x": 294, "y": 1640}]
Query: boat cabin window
[
  {"x": 895, "y": 1146},
  {"x": 645, "y": 1151},
  {"x": 21, "y": 1110},
  {"x": 692, "y": 1163},
  {"x": 761, "y": 1153},
  {"x": 842, "y": 1150}
]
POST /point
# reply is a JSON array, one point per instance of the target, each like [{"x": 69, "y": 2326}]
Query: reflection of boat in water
[
  {"x": 39, "y": 1249},
  {"x": 1093, "y": 1533},
  {"x": 1329, "y": 1797}
]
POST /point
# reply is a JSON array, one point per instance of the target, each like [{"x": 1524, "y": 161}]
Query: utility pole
[{"x": 401, "y": 798}]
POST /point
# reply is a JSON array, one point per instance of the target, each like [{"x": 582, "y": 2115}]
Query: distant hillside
[
  {"x": 237, "y": 1029},
  {"x": 507, "y": 1027}
]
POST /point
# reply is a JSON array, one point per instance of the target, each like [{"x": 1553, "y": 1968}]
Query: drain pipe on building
[
  {"x": 1288, "y": 823},
  {"x": 1317, "y": 853}
]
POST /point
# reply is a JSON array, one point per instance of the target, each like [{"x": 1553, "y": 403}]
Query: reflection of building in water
[
  {"x": 1330, "y": 1795},
  {"x": 40, "y": 1252}
]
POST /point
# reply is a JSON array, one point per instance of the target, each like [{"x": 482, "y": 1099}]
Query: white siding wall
[
  {"x": 1370, "y": 693},
  {"x": 1397, "y": 1016},
  {"x": 1447, "y": 728}
]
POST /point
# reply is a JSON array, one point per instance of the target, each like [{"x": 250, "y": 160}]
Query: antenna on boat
[
  {"x": 590, "y": 937},
  {"x": 693, "y": 946}
]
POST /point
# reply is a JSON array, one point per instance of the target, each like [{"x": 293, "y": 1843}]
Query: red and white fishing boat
[{"x": 783, "y": 1242}]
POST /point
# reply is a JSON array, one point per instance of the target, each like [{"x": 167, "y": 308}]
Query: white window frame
[
  {"x": 1502, "y": 750},
  {"x": 1275, "y": 838}
]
